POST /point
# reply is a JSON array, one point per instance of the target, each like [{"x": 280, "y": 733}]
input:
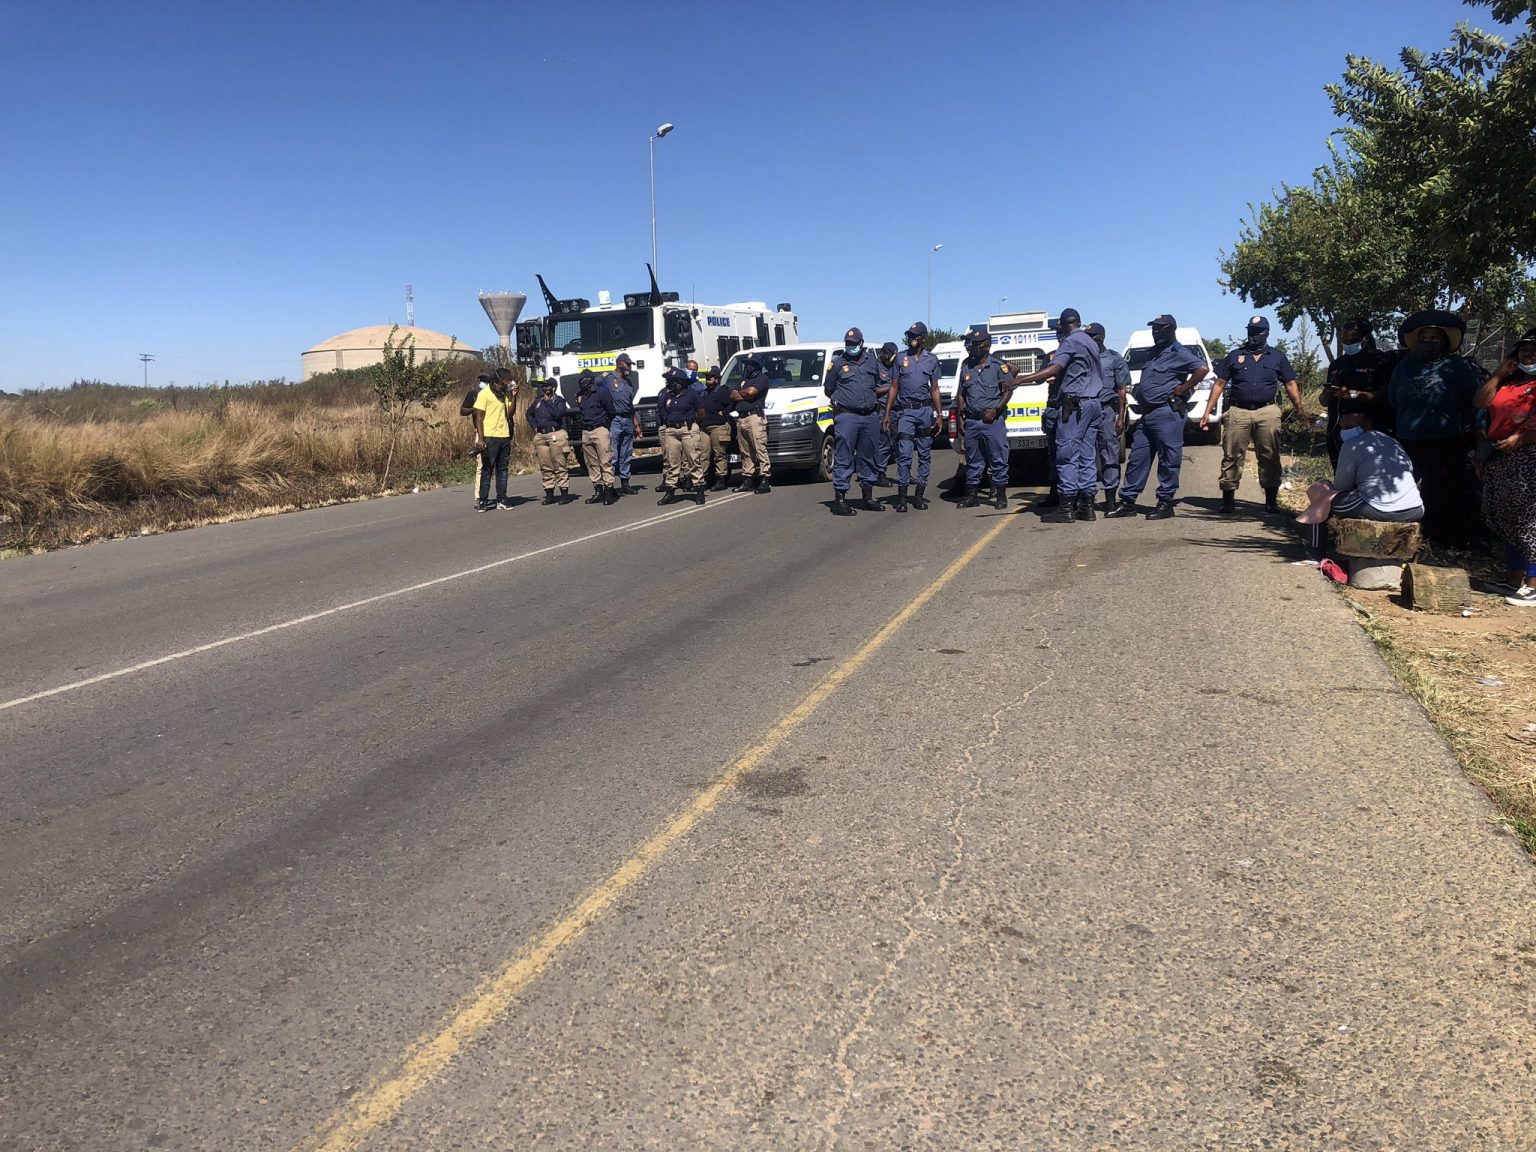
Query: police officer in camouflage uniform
[
  {"x": 853, "y": 379},
  {"x": 913, "y": 411}
]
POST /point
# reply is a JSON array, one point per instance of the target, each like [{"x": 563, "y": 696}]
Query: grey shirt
[{"x": 1376, "y": 466}]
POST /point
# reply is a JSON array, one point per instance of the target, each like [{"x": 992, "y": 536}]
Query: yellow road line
[{"x": 431, "y": 1054}]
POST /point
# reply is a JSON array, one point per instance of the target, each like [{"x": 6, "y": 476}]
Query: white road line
[{"x": 145, "y": 665}]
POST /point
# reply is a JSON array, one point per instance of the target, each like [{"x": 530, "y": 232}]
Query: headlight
[{"x": 798, "y": 419}]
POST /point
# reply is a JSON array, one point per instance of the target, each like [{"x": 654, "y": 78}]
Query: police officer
[
  {"x": 1357, "y": 382},
  {"x": 1253, "y": 372},
  {"x": 1117, "y": 384},
  {"x": 887, "y": 358},
  {"x": 986, "y": 383},
  {"x": 595, "y": 402},
  {"x": 913, "y": 411},
  {"x": 625, "y": 426},
  {"x": 677, "y": 415},
  {"x": 1167, "y": 379},
  {"x": 1050, "y": 420},
  {"x": 750, "y": 398},
  {"x": 853, "y": 380},
  {"x": 546, "y": 416},
  {"x": 715, "y": 427},
  {"x": 1076, "y": 363}
]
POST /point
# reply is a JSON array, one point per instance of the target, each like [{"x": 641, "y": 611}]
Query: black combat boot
[
  {"x": 565, "y": 495},
  {"x": 668, "y": 495},
  {"x": 1085, "y": 509},
  {"x": 840, "y": 505},
  {"x": 597, "y": 495},
  {"x": 698, "y": 494},
  {"x": 763, "y": 487},
  {"x": 900, "y": 503},
  {"x": 610, "y": 495},
  {"x": 869, "y": 503},
  {"x": 746, "y": 485},
  {"x": 1228, "y": 500},
  {"x": 1000, "y": 496},
  {"x": 969, "y": 498},
  {"x": 1065, "y": 512},
  {"x": 1109, "y": 500},
  {"x": 1121, "y": 510},
  {"x": 883, "y": 481},
  {"x": 1271, "y": 499},
  {"x": 549, "y": 495},
  {"x": 628, "y": 489},
  {"x": 718, "y": 485},
  {"x": 1163, "y": 511},
  {"x": 1051, "y": 501},
  {"x": 919, "y": 501}
]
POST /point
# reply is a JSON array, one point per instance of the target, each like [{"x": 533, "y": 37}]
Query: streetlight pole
[
  {"x": 655, "y": 136},
  {"x": 931, "y": 251}
]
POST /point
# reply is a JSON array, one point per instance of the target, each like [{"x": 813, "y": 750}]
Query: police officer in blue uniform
[
  {"x": 913, "y": 412},
  {"x": 887, "y": 358},
  {"x": 1076, "y": 363},
  {"x": 986, "y": 383},
  {"x": 1112, "y": 401},
  {"x": 853, "y": 380},
  {"x": 1166, "y": 382},
  {"x": 626, "y": 421}
]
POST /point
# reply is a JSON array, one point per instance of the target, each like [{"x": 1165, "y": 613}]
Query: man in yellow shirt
[{"x": 493, "y": 437}]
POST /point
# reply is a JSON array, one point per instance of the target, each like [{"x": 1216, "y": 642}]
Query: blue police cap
[
  {"x": 675, "y": 376},
  {"x": 1096, "y": 330},
  {"x": 1163, "y": 321},
  {"x": 1258, "y": 324}
]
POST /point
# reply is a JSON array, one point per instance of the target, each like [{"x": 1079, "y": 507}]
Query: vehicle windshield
[
  {"x": 783, "y": 369},
  {"x": 604, "y": 331},
  {"x": 1136, "y": 358},
  {"x": 1026, "y": 360}
]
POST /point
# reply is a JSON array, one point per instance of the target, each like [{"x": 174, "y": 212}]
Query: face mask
[
  {"x": 1349, "y": 433},
  {"x": 1350, "y": 349},
  {"x": 1528, "y": 369},
  {"x": 1257, "y": 339},
  {"x": 852, "y": 350},
  {"x": 914, "y": 343},
  {"x": 1161, "y": 337}
]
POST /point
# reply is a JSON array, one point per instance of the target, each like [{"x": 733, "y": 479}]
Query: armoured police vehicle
[
  {"x": 1138, "y": 350},
  {"x": 655, "y": 328}
]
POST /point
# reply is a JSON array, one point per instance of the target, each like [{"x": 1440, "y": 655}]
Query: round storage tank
[{"x": 363, "y": 347}]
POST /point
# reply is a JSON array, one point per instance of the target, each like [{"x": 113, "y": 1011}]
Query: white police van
[{"x": 1138, "y": 350}]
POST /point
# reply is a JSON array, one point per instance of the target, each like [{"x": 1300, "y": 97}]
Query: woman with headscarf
[
  {"x": 1509, "y": 476},
  {"x": 1431, "y": 394}
]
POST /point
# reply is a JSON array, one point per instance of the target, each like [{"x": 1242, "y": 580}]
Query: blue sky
[{"x": 225, "y": 185}]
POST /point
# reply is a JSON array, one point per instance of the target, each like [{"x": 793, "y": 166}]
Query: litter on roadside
[
  {"x": 1304, "y": 563},
  {"x": 1491, "y": 682}
]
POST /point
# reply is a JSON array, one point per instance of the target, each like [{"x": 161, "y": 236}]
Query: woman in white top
[{"x": 1374, "y": 478}]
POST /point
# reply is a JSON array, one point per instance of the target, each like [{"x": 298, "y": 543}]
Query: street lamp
[
  {"x": 931, "y": 251},
  {"x": 655, "y": 136}
]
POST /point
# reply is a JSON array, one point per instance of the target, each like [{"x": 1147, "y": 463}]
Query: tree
[
  {"x": 1508, "y": 11},
  {"x": 937, "y": 336},
  {"x": 400, "y": 384},
  {"x": 1215, "y": 347}
]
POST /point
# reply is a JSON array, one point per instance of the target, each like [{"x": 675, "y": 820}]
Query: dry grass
[{"x": 64, "y": 479}]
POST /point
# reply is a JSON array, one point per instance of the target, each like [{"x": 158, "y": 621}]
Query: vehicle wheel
[{"x": 824, "y": 468}]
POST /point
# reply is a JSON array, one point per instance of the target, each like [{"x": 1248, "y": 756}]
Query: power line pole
[{"x": 146, "y": 358}]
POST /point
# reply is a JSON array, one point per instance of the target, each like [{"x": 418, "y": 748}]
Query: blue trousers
[
  {"x": 493, "y": 462},
  {"x": 1160, "y": 430},
  {"x": 1050, "y": 419},
  {"x": 622, "y": 433},
  {"x": 913, "y": 428},
  {"x": 1077, "y": 447},
  {"x": 986, "y": 446},
  {"x": 1109, "y": 445},
  {"x": 855, "y": 441}
]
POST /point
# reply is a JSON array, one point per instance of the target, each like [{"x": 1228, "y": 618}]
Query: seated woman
[{"x": 1374, "y": 479}]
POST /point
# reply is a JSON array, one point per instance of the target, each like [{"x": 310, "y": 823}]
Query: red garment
[{"x": 1513, "y": 406}]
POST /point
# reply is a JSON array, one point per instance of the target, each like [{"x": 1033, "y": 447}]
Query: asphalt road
[{"x": 399, "y": 827}]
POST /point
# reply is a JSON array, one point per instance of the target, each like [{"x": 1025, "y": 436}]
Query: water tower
[{"x": 503, "y": 308}]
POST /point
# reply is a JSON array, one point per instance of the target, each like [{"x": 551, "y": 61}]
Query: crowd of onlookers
[{"x": 1425, "y": 434}]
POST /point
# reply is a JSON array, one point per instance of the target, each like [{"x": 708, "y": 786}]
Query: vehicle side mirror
[{"x": 679, "y": 330}]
